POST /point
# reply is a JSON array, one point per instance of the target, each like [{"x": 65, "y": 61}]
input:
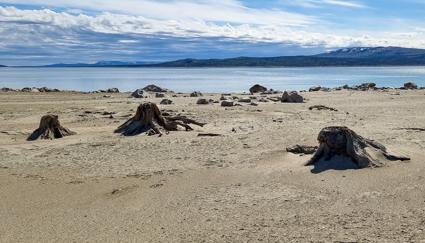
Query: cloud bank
[{"x": 33, "y": 37}]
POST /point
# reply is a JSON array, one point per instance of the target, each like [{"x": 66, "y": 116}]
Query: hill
[
  {"x": 357, "y": 56},
  {"x": 348, "y": 57},
  {"x": 375, "y": 52}
]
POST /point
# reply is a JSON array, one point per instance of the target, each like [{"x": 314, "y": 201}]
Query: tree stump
[
  {"x": 50, "y": 128},
  {"x": 149, "y": 119},
  {"x": 345, "y": 142}
]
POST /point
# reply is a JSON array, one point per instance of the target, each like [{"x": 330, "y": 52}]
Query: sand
[{"x": 99, "y": 186}]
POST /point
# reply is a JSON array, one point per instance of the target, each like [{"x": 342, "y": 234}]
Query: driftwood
[
  {"x": 302, "y": 149},
  {"x": 321, "y": 107},
  {"x": 413, "y": 129},
  {"x": 209, "y": 135},
  {"x": 345, "y": 142},
  {"x": 50, "y": 128},
  {"x": 149, "y": 119}
]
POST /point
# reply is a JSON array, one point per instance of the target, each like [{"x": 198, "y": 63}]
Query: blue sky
[{"x": 38, "y": 32}]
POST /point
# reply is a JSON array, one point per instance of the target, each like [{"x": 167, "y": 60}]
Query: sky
[{"x": 41, "y": 32}]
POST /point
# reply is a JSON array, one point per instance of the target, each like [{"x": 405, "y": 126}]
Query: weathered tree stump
[
  {"x": 50, "y": 128},
  {"x": 345, "y": 142},
  {"x": 149, "y": 119}
]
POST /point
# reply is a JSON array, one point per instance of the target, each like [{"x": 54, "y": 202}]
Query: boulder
[
  {"x": 159, "y": 95},
  {"x": 154, "y": 88},
  {"x": 46, "y": 89},
  {"x": 315, "y": 88},
  {"x": 29, "y": 89},
  {"x": 203, "y": 101},
  {"x": 245, "y": 100},
  {"x": 257, "y": 89},
  {"x": 227, "y": 103},
  {"x": 140, "y": 93},
  {"x": 196, "y": 94},
  {"x": 410, "y": 85},
  {"x": 226, "y": 97},
  {"x": 292, "y": 96},
  {"x": 113, "y": 90},
  {"x": 166, "y": 102}
]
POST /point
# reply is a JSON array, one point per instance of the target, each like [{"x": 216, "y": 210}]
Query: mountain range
[
  {"x": 102, "y": 64},
  {"x": 348, "y": 57},
  {"x": 357, "y": 56}
]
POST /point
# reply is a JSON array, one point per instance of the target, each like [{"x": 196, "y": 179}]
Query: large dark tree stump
[
  {"x": 345, "y": 142},
  {"x": 149, "y": 119},
  {"x": 50, "y": 128}
]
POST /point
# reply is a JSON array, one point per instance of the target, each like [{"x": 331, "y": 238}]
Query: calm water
[{"x": 218, "y": 80}]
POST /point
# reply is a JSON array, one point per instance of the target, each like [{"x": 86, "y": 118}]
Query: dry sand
[{"x": 98, "y": 186}]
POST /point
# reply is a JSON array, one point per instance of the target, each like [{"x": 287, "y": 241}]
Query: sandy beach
[{"x": 242, "y": 186}]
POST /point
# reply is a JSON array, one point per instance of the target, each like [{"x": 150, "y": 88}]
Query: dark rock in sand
[
  {"x": 166, "y": 102},
  {"x": 196, "y": 94},
  {"x": 257, "y": 89},
  {"x": 159, "y": 95},
  {"x": 227, "y": 103},
  {"x": 292, "y": 96},
  {"x": 141, "y": 93},
  {"x": 315, "y": 88},
  {"x": 202, "y": 101},
  {"x": 154, "y": 88},
  {"x": 113, "y": 90},
  {"x": 410, "y": 85}
]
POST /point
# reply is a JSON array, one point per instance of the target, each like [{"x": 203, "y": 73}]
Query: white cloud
[
  {"x": 109, "y": 36},
  {"x": 66, "y": 27},
  {"x": 322, "y": 3},
  {"x": 345, "y": 3},
  {"x": 208, "y": 10}
]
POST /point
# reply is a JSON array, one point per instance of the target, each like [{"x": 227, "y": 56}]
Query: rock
[
  {"x": 257, "y": 89},
  {"x": 47, "y": 89},
  {"x": 245, "y": 100},
  {"x": 154, "y": 88},
  {"x": 369, "y": 85},
  {"x": 202, "y": 101},
  {"x": 166, "y": 102},
  {"x": 4, "y": 89},
  {"x": 29, "y": 89},
  {"x": 410, "y": 85},
  {"x": 196, "y": 94},
  {"x": 292, "y": 96},
  {"x": 227, "y": 103},
  {"x": 159, "y": 95},
  {"x": 315, "y": 88},
  {"x": 113, "y": 90},
  {"x": 226, "y": 97},
  {"x": 140, "y": 93}
]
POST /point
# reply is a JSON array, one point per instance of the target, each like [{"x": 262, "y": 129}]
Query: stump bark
[
  {"x": 345, "y": 142},
  {"x": 50, "y": 128},
  {"x": 148, "y": 119}
]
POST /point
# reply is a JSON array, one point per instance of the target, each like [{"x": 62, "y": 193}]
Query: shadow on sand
[{"x": 336, "y": 163}]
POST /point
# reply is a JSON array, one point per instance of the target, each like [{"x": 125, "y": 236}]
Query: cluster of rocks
[
  {"x": 31, "y": 89},
  {"x": 365, "y": 87},
  {"x": 263, "y": 90},
  {"x": 110, "y": 90}
]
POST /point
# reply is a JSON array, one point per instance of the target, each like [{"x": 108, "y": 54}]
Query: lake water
[{"x": 218, "y": 80}]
